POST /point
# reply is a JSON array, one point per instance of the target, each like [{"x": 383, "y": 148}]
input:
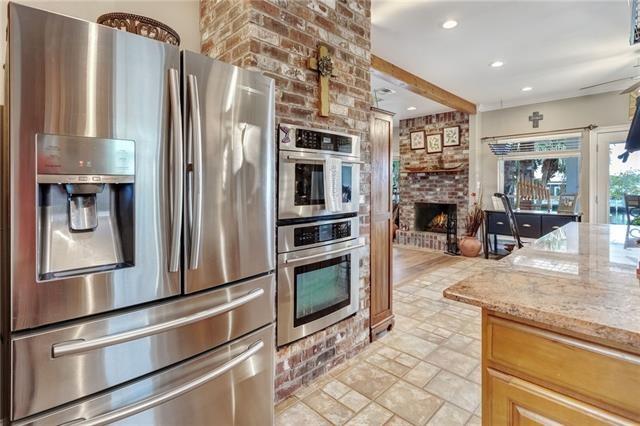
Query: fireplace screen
[{"x": 434, "y": 217}]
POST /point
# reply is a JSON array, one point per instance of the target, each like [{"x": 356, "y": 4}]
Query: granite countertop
[{"x": 580, "y": 278}]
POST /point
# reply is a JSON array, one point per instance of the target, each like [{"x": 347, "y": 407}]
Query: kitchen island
[{"x": 561, "y": 329}]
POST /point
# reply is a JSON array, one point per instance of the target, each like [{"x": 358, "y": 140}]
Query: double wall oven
[{"x": 318, "y": 248}]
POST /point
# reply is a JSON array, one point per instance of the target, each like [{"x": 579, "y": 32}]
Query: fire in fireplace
[{"x": 434, "y": 217}]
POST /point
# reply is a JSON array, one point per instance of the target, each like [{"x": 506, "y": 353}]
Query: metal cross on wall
[
  {"x": 324, "y": 66},
  {"x": 536, "y": 118}
]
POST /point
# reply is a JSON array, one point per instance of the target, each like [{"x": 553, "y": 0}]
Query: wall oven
[
  {"x": 318, "y": 276},
  {"x": 302, "y": 162}
]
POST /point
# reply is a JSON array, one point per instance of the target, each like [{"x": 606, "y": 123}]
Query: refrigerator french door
[
  {"x": 83, "y": 102},
  {"x": 229, "y": 122},
  {"x": 138, "y": 231}
]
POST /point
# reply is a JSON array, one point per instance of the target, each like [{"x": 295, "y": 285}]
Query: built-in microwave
[{"x": 303, "y": 155}]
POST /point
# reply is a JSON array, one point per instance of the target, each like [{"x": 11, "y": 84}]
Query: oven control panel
[
  {"x": 294, "y": 138},
  {"x": 313, "y": 139},
  {"x": 313, "y": 234}
]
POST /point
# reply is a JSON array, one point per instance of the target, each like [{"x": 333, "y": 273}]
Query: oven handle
[
  {"x": 79, "y": 346},
  {"x": 320, "y": 159},
  {"x": 161, "y": 398},
  {"x": 326, "y": 253}
]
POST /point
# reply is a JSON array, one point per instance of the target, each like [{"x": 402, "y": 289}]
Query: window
[{"x": 530, "y": 168}]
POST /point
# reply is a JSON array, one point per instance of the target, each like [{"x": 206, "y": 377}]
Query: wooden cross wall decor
[
  {"x": 323, "y": 65},
  {"x": 536, "y": 118}
]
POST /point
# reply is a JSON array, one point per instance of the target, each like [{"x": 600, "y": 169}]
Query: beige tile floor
[{"x": 424, "y": 372}]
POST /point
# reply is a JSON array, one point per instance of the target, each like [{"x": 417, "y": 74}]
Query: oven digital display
[
  {"x": 314, "y": 139},
  {"x": 313, "y": 234}
]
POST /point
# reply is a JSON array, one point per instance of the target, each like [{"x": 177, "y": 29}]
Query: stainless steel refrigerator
[{"x": 137, "y": 230}]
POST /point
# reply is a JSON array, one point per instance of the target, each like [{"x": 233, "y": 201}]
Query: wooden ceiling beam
[{"x": 415, "y": 84}]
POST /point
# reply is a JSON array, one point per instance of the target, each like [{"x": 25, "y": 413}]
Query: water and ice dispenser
[{"x": 86, "y": 203}]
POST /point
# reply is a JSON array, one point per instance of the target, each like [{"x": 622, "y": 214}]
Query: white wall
[
  {"x": 608, "y": 109},
  {"x": 181, "y": 15}
]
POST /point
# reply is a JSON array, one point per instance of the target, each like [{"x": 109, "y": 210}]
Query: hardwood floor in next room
[{"x": 425, "y": 371}]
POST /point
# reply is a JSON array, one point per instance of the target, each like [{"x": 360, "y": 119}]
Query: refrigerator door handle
[
  {"x": 73, "y": 347},
  {"x": 176, "y": 177},
  {"x": 161, "y": 398},
  {"x": 196, "y": 197}
]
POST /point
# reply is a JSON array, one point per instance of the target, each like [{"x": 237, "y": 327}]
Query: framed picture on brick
[
  {"x": 451, "y": 136},
  {"x": 434, "y": 143},
  {"x": 417, "y": 139}
]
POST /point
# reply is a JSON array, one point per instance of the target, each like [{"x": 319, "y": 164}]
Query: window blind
[{"x": 547, "y": 145}]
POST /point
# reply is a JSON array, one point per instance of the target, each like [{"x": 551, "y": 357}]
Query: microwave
[{"x": 303, "y": 154}]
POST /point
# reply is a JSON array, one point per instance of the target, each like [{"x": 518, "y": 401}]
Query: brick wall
[
  {"x": 277, "y": 37},
  {"x": 432, "y": 187}
]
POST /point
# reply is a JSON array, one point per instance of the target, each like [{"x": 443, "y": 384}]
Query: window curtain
[{"x": 585, "y": 194}]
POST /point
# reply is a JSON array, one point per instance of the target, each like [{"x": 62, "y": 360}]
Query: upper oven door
[{"x": 301, "y": 185}]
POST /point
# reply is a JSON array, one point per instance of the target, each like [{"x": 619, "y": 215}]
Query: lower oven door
[
  {"x": 231, "y": 385},
  {"x": 301, "y": 185},
  {"x": 317, "y": 288}
]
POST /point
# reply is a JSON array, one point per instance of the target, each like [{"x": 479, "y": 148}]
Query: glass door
[{"x": 615, "y": 178}]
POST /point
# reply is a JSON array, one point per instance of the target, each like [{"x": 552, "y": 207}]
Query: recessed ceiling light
[
  {"x": 497, "y": 64},
  {"x": 411, "y": 108},
  {"x": 447, "y": 25},
  {"x": 527, "y": 89}
]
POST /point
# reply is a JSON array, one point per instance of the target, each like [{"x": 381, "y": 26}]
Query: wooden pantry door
[{"x": 381, "y": 222}]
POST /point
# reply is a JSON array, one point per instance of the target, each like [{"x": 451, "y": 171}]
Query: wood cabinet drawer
[
  {"x": 513, "y": 401},
  {"x": 599, "y": 375},
  {"x": 551, "y": 223},
  {"x": 528, "y": 225},
  {"x": 498, "y": 224}
]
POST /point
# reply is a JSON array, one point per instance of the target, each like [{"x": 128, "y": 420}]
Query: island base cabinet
[{"x": 516, "y": 402}]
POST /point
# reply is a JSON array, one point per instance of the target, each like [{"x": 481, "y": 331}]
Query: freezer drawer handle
[
  {"x": 326, "y": 253},
  {"x": 176, "y": 179},
  {"x": 196, "y": 196},
  {"x": 79, "y": 346},
  {"x": 320, "y": 159},
  {"x": 147, "y": 403}
]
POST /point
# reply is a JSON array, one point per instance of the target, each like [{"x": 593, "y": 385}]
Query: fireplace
[{"x": 434, "y": 217}]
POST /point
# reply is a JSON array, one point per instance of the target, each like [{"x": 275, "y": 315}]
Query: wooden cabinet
[
  {"x": 536, "y": 376},
  {"x": 517, "y": 402},
  {"x": 381, "y": 135}
]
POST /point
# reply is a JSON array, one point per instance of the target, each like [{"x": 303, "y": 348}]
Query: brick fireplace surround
[
  {"x": 449, "y": 187},
  {"x": 277, "y": 37}
]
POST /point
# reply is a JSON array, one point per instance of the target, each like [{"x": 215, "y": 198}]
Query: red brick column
[{"x": 277, "y": 37}]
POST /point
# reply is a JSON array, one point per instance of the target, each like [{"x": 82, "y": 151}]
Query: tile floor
[{"x": 424, "y": 372}]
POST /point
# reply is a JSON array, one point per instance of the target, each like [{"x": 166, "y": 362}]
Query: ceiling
[
  {"x": 555, "y": 47},
  {"x": 402, "y": 99}
]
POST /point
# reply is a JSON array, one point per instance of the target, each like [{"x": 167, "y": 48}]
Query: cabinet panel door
[
  {"x": 520, "y": 403},
  {"x": 381, "y": 221}
]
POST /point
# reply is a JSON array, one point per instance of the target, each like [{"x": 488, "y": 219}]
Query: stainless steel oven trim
[
  {"x": 286, "y": 187},
  {"x": 286, "y": 332},
  {"x": 355, "y": 149},
  {"x": 286, "y": 241}
]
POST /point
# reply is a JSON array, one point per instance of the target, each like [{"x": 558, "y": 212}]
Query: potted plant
[{"x": 470, "y": 245}]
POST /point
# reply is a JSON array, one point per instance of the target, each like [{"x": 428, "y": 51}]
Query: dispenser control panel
[{"x": 77, "y": 159}]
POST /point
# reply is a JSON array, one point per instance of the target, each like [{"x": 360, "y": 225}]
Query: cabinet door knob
[
  {"x": 526, "y": 225},
  {"x": 499, "y": 223}
]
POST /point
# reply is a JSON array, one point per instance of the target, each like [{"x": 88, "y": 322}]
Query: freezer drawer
[
  {"x": 61, "y": 365},
  {"x": 231, "y": 385}
]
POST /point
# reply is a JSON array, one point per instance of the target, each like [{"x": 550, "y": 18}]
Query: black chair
[
  {"x": 632, "y": 208},
  {"x": 511, "y": 217}
]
